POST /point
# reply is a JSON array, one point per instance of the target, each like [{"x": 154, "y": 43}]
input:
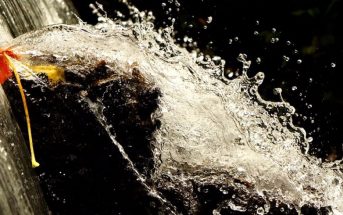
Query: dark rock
[{"x": 82, "y": 172}]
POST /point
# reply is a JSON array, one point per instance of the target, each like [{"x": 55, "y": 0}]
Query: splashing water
[{"x": 207, "y": 121}]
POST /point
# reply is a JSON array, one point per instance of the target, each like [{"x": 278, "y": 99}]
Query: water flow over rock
[{"x": 219, "y": 146}]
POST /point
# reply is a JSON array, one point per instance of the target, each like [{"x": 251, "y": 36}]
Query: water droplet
[
  {"x": 333, "y": 65},
  {"x": 209, "y": 19},
  {"x": 216, "y": 58},
  {"x": 230, "y": 75},
  {"x": 299, "y": 61},
  {"x": 258, "y": 60},
  {"x": 277, "y": 91},
  {"x": 215, "y": 212},
  {"x": 285, "y": 58}
]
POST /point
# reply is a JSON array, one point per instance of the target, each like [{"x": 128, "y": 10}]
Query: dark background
[{"x": 306, "y": 31}]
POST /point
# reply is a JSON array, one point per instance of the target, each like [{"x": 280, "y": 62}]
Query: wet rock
[{"x": 82, "y": 172}]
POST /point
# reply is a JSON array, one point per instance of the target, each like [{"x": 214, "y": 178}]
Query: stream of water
[{"x": 207, "y": 121}]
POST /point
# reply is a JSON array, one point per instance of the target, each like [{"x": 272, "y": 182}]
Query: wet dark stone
[{"x": 82, "y": 172}]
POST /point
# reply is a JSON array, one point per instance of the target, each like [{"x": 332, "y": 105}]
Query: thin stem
[{"x": 23, "y": 97}]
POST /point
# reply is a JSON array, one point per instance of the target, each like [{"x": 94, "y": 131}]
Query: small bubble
[
  {"x": 272, "y": 40},
  {"x": 260, "y": 211},
  {"x": 209, "y": 19},
  {"x": 309, "y": 106},
  {"x": 256, "y": 33},
  {"x": 282, "y": 209},
  {"x": 299, "y": 61},
  {"x": 335, "y": 181},
  {"x": 273, "y": 30},
  {"x": 257, "y": 22},
  {"x": 333, "y": 65},
  {"x": 295, "y": 51},
  {"x": 236, "y": 39},
  {"x": 266, "y": 207},
  {"x": 230, "y": 41},
  {"x": 288, "y": 42},
  {"x": 294, "y": 88},
  {"x": 310, "y": 80}
]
